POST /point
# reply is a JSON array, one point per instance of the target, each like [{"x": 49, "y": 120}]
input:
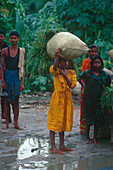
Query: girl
[
  {"x": 60, "y": 114},
  {"x": 95, "y": 81},
  {"x": 85, "y": 66}
]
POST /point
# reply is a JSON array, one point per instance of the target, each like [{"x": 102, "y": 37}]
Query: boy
[
  {"x": 12, "y": 78},
  {"x": 2, "y": 45}
]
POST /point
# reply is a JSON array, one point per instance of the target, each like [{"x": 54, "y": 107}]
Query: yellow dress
[{"x": 60, "y": 114}]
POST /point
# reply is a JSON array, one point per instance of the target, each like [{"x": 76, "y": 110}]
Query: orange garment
[
  {"x": 85, "y": 66},
  {"x": 60, "y": 114}
]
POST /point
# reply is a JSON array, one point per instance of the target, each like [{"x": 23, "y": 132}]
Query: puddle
[
  {"x": 37, "y": 165},
  {"x": 33, "y": 146},
  {"x": 16, "y": 151},
  {"x": 25, "y": 148},
  {"x": 105, "y": 163}
]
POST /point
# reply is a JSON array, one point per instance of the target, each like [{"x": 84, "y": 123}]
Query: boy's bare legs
[
  {"x": 87, "y": 134},
  {"x": 15, "y": 106},
  {"x": 6, "y": 103},
  {"x": 53, "y": 147},
  {"x": 61, "y": 146},
  {"x": 2, "y": 108}
]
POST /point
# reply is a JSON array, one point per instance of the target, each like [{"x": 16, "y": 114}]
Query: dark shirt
[{"x": 11, "y": 63}]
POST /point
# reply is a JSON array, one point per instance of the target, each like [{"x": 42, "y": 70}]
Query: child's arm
[
  {"x": 81, "y": 77},
  {"x": 3, "y": 54},
  {"x": 108, "y": 81},
  {"x": 56, "y": 60},
  {"x": 66, "y": 77}
]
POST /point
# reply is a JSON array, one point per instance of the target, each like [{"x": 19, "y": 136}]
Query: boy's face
[
  {"x": 2, "y": 37},
  {"x": 13, "y": 39}
]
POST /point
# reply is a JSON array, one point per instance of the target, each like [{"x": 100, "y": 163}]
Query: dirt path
[{"x": 29, "y": 148}]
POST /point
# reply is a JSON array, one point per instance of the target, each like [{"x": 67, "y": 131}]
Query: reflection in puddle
[
  {"x": 25, "y": 148},
  {"x": 33, "y": 146},
  {"x": 35, "y": 165},
  {"x": 96, "y": 163},
  {"x": 87, "y": 164}
]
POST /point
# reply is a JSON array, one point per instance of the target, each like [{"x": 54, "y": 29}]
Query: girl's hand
[
  {"x": 65, "y": 75},
  {"x": 62, "y": 73},
  {"x": 58, "y": 51}
]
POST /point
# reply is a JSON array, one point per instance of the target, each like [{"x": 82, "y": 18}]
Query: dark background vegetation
[{"x": 37, "y": 21}]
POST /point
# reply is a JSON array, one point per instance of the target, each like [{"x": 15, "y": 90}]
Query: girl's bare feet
[
  {"x": 95, "y": 141},
  {"x": 88, "y": 141},
  {"x": 56, "y": 151}
]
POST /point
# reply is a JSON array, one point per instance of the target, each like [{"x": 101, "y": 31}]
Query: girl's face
[
  {"x": 97, "y": 64},
  {"x": 64, "y": 63},
  {"x": 93, "y": 52}
]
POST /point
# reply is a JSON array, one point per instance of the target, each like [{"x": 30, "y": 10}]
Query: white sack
[
  {"x": 71, "y": 45},
  {"x": 108, "y": 71},
  {"x": 110, "y": 53},
  {"x": 76, "y": 90}
]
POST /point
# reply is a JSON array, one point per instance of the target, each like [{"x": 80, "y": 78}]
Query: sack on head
[{"x": 71, "y": 45}]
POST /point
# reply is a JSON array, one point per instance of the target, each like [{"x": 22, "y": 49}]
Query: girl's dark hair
[
  {"x": 14, "y": 33},
  {"x": 93, "y": 46},
  {"x": 60, "y": 59},
  {"x": 97, "y": 57}
]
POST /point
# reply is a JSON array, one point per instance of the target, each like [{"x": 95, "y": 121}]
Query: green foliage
[
  {"x": 108, "y": 64},
  {"x": 107, "y": 101},
  {"x": 90, "y": 20},
  {"x": 40, "y": 83},
  {"x": 37, "y": 21},
  {"x": 38, "y": 62},
  {"x": 104, "y": 47},
  {"x": 32, "y": 6},
  {"x": 13, "y": 18}
]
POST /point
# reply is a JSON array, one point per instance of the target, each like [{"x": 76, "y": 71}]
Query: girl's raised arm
[{"x": 56, "y": 60}]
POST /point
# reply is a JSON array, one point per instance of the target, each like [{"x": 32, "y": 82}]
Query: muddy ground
[{"x": 28, "y": 149}]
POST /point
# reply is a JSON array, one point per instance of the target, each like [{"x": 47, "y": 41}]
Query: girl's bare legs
[
  {"x": 87, "y": 134},
  {"x": 15, "y": 106},
  {"x": 95, "y": 135},
  {"x": 61, "y": 146},
  {"x": 53, "y": 147}
]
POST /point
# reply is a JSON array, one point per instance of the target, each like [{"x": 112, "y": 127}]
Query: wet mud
[{"x": 29, "y": 149}]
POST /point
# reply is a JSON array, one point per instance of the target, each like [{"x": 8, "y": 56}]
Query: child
[
  {"x": 12, "y": 80},
  {"x": 85, "y": 66},
  {"x": 95, "y": 81},
  {"x": 60, "y": 114},
  {"x": 2, "y": 46}
]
